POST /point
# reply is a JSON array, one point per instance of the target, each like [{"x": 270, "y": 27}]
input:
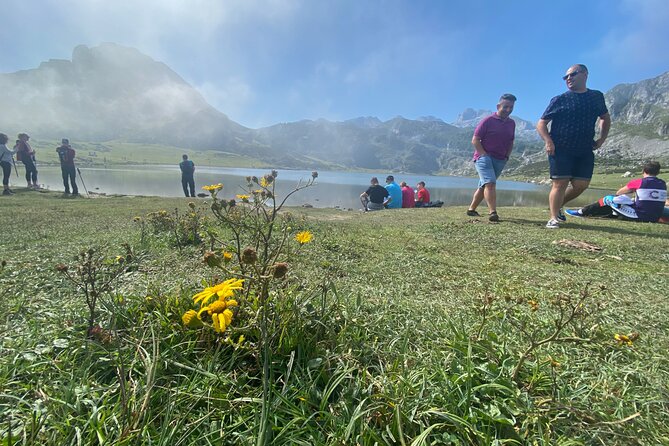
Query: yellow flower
[
  {"x": 304, "y": 237},
  {"x": 264, "y": 182},
  {"x": 222, "y": 290},
  {"x": 227, "y": 314},
  {"x": 227, "y": 256},
  {"x": 191, "y": 320},
  {"x": 218, "y": 306},
  {"x": 213, "y": 187},
  {"x": 623, "y": 339},
  {"x": 241, "y": 340},
  {"x": 219, "y": 322},
  {"x": 137, "y": 219},
  {"x": 242, "y": 197},
  {"x": 534, "y": 305}
]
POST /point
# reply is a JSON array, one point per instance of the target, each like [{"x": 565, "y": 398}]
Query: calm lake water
[{"x": 332, "y": 189}]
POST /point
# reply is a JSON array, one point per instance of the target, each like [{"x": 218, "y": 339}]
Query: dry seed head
[
  {"x": 280, "y": 269},
  {"x": 249, "y": 256}
]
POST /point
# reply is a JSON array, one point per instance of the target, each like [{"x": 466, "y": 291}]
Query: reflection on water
[{"x": 332, "y": 189}]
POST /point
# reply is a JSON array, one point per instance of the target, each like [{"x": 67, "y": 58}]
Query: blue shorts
[
  {"x": 577, "y": 166},
  {"x": 489, "y": 169}
]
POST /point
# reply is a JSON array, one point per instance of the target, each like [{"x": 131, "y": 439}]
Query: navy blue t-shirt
[
  {"x": 573, "y": 117},
  {"x": 187, "y": 168}
]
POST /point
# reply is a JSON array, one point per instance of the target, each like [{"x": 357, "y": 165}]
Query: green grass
[
  {"x": 123, "y": 153},
  {"x": 405, "y": 357}
]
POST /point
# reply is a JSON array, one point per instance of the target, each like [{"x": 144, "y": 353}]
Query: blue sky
[{"x": 263, "y": 62}]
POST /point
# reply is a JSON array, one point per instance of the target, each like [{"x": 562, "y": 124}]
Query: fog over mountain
[{"x": 111, "y": 92}]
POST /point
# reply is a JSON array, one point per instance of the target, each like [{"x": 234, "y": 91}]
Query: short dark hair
[
  {"x": 422, "y": 183},
  {"x": 3, "y": 138},
  {"x": 507, "y": 97},
  {"x": 374, "y": 180},
  {"x": 651, "y": 168},
  {"x": 184, "y": 156},
  {"x": 390, "y": 178},
  {"x": 582, "y": 67}
]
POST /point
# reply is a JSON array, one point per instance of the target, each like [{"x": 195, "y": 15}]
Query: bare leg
[
  {"x": 476, "y": 200},
  {"x": 576, "y": 189},
  {"x": 490, "y": 193},
  {"x": 557, "y": 195}
]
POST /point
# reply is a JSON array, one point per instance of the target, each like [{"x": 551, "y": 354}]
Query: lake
[{"x": 332, "y": 189}]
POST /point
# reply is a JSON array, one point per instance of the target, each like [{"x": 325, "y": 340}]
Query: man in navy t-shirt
[
  {"x": 187, "y": 171},
  {"x": 571, "y": 140}
]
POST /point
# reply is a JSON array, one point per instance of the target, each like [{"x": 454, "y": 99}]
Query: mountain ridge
[{"x": 112, "y": 92}]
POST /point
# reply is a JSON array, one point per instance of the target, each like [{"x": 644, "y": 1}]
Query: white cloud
[{"x": 230, "y": 96}]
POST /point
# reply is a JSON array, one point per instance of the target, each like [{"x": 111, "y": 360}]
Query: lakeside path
[{"x": 434, "y": 310}]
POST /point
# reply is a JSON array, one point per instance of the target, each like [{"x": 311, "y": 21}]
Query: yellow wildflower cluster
[
  {"x": 534, "y": 305},
  {"x": 626, "y": 339},
  {"x": 219, "y": 309},
  {"x": 304, "y": 237},
  {"x": 244, "y": 198},
  {"x": 213, "y": 187}
]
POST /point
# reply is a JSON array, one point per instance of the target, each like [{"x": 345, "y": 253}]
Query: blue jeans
[{"x": 489, "y": 169}]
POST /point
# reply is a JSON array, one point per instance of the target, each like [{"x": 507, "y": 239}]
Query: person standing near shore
[
  {"x": 570, "y": 143},
  {"x": 187, "y": 175},
  {"x": 6, "y": 159},
  {"x": 26, "y": 155},
  {"x": 66, "y": 155},
  {"x": 493, "y": 143}
]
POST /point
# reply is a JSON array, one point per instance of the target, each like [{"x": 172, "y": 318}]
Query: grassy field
[
  {"x": 407, "y": 327},
  {"x": 123, "y": 153}
]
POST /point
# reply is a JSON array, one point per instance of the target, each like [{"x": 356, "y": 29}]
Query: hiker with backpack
[
  {"x": 66, "y": 156},
  {"x": 26, "y": 154},
  {"x": 6, "y": 160},
  {"x": 187, "y": 171}
]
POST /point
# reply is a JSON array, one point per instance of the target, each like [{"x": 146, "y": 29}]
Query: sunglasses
[{"x": 570, "y": 75}]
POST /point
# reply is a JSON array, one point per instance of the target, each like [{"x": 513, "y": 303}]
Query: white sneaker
[{"x": 553, "y": 224}]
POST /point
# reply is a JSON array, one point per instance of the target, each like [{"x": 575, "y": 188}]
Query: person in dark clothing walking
[
  {"x": 187, "y": 180},
  {"x": 26, "y": 155},
  {"x": 66, "y": 155}
]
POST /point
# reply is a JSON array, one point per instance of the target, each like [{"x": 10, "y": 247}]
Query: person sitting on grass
[
  {"x": 423, "y": 195},
  {"x": 665, "y": 212},
  {"x": 407, "y": 195},
  {"x": 376, "y": 197},
  {"x": 395, "y": 193},
  {"x": 648, "y": 204}
]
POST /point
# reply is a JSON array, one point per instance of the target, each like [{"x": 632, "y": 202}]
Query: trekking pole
[
  {"x": 15, "y": 169},
  {"x": 82, "y": 182}
]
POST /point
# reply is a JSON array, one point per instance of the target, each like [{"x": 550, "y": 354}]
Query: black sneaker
[
  {"x": 6, "y": 192},
  {"x": 472, "y": 213},
  {"x": 493, "y": 217}
]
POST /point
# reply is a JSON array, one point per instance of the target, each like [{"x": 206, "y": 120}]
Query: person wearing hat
[
  {"x": 26, "y": 155},
  {"x": 66, "y": 156}
]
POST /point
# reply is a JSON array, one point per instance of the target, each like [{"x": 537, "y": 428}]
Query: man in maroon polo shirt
[{"x": 493, "y": 142}]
